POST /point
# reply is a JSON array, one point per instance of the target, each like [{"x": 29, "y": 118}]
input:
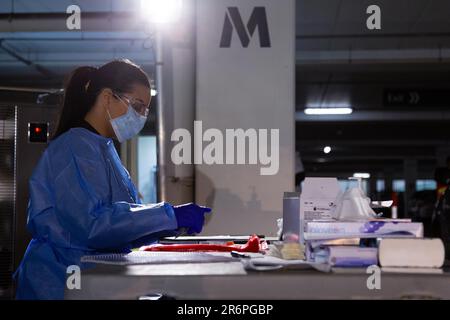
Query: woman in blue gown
[{"x": 82, "y": 200}]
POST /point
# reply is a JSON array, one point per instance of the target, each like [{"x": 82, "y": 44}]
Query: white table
[{"x": 230, "y": 281}]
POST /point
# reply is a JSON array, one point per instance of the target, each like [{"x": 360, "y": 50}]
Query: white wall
[{"x": 251, "y": 87}]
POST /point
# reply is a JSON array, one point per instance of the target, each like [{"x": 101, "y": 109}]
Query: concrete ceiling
[
  {"x": 338, "y": 60},
  {"x": 58, "y": 50}
]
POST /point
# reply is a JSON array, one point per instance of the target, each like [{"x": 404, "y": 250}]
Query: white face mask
[{"x": 127, "y": 125}]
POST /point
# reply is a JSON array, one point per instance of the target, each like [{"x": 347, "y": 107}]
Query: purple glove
[{"x": 190, "y": 216}]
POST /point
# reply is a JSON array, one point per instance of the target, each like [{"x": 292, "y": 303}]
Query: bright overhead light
[
  {"x": 161, "y": 11},
  {"x": 327, "y": 149},
  {"x": 363, "y": 175},
  {"x": 327, "y": 111},
  {"x": 328, "y": 105}
]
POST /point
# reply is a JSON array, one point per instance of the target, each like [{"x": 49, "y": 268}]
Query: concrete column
[
  {"x": 176, "y": 71},
  {"x": 246, "y": 80},
  {"x": 410, "y": 174},
  {"x": 442, "y": 153},
  {"x": 372, "y": 186}
]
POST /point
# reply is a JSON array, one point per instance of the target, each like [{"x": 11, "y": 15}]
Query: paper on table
[
  {"x": 149, "y": 257},
  {"x": 267, "y": 263}
]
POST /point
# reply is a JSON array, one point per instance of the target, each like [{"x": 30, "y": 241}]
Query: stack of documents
[{"x": 149, "y": 257}]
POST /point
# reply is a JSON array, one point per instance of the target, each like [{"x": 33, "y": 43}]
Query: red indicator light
[{"x": 37, "y": 132}]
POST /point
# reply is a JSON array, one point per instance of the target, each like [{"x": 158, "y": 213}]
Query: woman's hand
[{"x": 191, "y": 216}]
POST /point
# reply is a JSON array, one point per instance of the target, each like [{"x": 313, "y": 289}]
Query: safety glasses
[{"x": 138, "y": 106}]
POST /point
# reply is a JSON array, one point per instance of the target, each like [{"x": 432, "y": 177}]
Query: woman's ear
[{"x": 105, "y": 97}]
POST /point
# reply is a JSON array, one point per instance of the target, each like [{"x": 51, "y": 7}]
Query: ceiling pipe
[
  {"x": 437, "y": 55},
  {"x": 42, "y": 70},
  {"x": 385, "y": 115},
  {"x": 90, "y": 21},
  {"x": 28, "y": 89},
  {"x": 374, "y": 35}
]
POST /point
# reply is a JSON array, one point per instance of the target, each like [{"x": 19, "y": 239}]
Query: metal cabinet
[{"x": 22, "y": 142}]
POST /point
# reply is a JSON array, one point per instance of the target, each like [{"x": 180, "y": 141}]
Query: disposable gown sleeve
[{"x": 92, "y": 220}]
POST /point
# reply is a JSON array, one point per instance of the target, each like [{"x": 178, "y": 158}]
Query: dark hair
[{"x": 85, "y": 83}]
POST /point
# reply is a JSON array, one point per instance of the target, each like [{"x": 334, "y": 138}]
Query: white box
[
  {"x": 362, "y": 229},
  {"x": 317, "y": 201}
]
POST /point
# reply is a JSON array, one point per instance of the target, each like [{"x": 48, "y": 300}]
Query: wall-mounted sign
[{"x": 430, "y": 98}]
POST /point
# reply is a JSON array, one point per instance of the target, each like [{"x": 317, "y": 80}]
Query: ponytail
[
  {"x": 85, "y": 83},
  {"x": 76, "y": 104}
]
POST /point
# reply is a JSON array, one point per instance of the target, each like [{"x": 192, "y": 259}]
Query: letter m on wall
[{"x": 233, "y": 21}]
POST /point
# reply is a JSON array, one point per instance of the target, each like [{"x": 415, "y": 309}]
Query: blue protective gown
[{"x": 82, "y": 202}]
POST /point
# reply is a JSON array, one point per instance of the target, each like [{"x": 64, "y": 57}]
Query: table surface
[{"x": 229, "y": 280}]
